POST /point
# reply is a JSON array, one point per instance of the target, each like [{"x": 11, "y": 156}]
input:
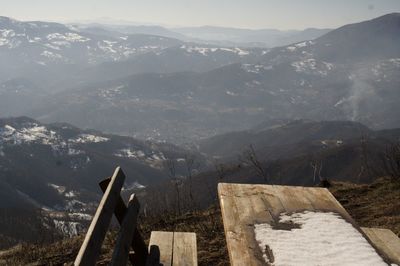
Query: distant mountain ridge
[
  {"x": 57, "y": 166},
  {"x": 299, "y": 81},
  {"x": 247, "y": 37},
  {"x": 190, "y": 91},
  {"x": 290, "y": 138}
]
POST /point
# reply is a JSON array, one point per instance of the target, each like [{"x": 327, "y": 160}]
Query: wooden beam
[
  {"x": 137, "y": 244},
  {"x": 125, "y": 234},
  {"x": 90, "y": 249}
]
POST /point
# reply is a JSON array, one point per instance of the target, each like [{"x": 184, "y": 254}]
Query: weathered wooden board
[
  {"x": 125, "y": 234},
  {"x": 386, "y": 241},
  {"x": 245, "y": 205},
  {"x": 91, "y": 246},
  {"x": 160, "y": 248},
  {"x": 185, "y": 249},
  {"x": 172, "y": 248},
  {"x": 139, "y": 247}
]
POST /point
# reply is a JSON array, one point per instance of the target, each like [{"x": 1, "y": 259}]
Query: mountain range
[
  {"x": 191, "y": 92},
  {"x": 57, "y": 166},
  {"x": 79, "y": 99}
]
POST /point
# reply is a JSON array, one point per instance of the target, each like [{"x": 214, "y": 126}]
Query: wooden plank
[
  {"x": 243, "y": 206},
  {"x": 292, "y": 199},
  {"x": 137, "y": 245},
  {"x": 386, "y": 241},
  {"x": 91, "y": 246},
  {"x": 125, "y": 234},
  {"x": 184, "y": 250},
  {"x": 160, "y": 248}
]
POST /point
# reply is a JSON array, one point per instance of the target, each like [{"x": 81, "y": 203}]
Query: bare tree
[
  {"x": 220, "y": 169},
  {"x": 176, "y": 182},
  {"x": 190, "y": 164},
  {"x": 382, "y": 164},
  {"x": 391, "y": 161},
  {"x": 317, "y": 167},
  {"x": 250, "y": 158}
]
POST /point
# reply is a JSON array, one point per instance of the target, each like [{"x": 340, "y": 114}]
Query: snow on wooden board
[
  {"x": 244, "y": 206},
  {"x": 314, "y": 238}
]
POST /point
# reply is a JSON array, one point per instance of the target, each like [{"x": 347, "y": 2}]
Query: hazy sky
[{"x": 281, "y": 14}]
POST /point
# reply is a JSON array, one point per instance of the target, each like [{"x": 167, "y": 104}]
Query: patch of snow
[
  {"x": 158, "y": 156},
  {"x": 69, "y": 36},
  {"x": 67, "y": 228},
  {"x": 51, "y": 55},
  {"x": 315, "y": 238},
  {"x": 88, "y": 138},
  {"x": 60, "y": 189},
  {"x": 134, "y": 185},
  {"x": 207, "y": 50},
  {"x": 32, "y": 132},
  {"x": 72, "y": 152},
  {"x": 70, "y": 194},
  {"x": 231, "y": 93},
  {"x": 110, "y": 93},
  {"x": 130, "y": 153},
  {"x": 291, "y": 48},
  {"x": 255, "y": 68},
  {"x": 80, "y": 216},
  {"x": 312, "y": 66}
]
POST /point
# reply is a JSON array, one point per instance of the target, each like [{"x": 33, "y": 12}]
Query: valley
[{"x": 182, "y": 109}]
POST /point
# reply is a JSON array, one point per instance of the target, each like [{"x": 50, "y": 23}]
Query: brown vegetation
[{"x": 373, "y": 205}]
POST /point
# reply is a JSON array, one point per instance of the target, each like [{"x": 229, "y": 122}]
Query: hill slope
[
  {"x": 58, "y": 166},
  {"x": 367, "y": 204}
]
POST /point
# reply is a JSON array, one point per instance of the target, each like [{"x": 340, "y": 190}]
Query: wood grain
[
  {"x": 244, "y": 205},
  {"x": 160, "y": 248},
  {"x": 125, "y": 234},
  {"x": 386, "y": 241},
  {"x": 184, "y": 249},
  {"x": 139, "y": 247},
  {"x": 91, "y": 246}
]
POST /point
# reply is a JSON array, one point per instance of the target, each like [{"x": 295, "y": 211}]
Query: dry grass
[{"x": 374, "y": 205}]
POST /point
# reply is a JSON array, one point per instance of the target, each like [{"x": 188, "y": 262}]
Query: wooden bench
[
  {"x": 244, "y": 206},
  {"x": 172, "y": 248},
  {"x": 166, "y": 248}
]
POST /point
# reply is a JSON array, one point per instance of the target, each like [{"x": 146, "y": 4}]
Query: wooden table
[{"x": 244, "y": 205}]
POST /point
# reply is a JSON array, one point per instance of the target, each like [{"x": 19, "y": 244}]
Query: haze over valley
[{"x": 183, "y": 107}]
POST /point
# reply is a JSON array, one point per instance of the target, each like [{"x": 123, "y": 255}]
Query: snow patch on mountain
[
  {"x": 68, "y": 228},
  {"x": 208, "y": 50},
  {"x": 312, "y": 66},
  {"x": 60, "y": 189},
  {"x": 130, "y": 153},
  {"x": 88, "y": 138},
  {"x": 255, "y": 68},
  {"x": 30, "y": 133},
  {"x": 69, "y": 36}
]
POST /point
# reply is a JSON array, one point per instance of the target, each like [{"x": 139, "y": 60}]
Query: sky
[{"x": 254, "y": 14}]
